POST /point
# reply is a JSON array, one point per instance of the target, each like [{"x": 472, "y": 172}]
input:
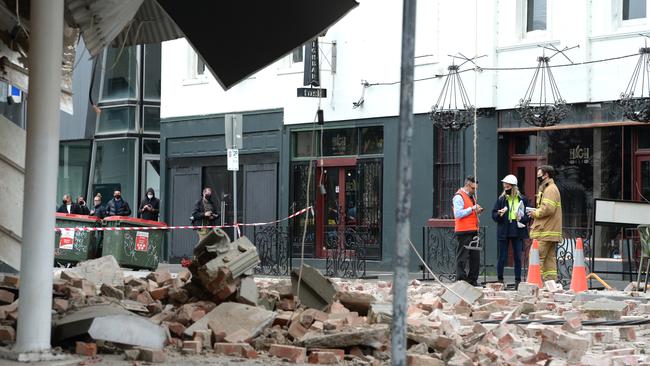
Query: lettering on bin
[{"x": 142, "y": 241}]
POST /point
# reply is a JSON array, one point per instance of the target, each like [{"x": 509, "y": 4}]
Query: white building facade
[{"x": 598, "y": 153}]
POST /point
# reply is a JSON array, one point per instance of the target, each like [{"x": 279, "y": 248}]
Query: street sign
[
  {"x": 233, "y": 160},
  {"x": 312, "y": 92},
  {"x": 233, "y": 130}
]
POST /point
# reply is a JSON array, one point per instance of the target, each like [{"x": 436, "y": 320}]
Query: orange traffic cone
[
  {"x": 534, "y": 270},
  {"x": 579, "y": 274}
]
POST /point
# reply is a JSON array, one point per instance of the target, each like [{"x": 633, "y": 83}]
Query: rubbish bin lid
[
  {"x": 75, "y": 217},
  {"x": 133, "y": 220}
]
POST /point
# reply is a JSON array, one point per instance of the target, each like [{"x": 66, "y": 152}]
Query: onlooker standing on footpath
[
  {"x": 509, "y": 214},
  {"x": 117, "y": 206},
  {"x": 81, "y": 201},
  {"x": 547, "y": 225},
  {"x": 204, "y": 213},
  {"x": 98, "y": 209},
  {"x": 466, "y": 212},
  {"x": 68, "y": 206},
  {"x": 150, "y": 206}
]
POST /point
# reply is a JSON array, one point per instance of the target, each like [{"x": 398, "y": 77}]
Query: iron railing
[
  {"x": 345, "y": 251},
  {"x": 274, "y": 248},
  {"x": 439, "y": 252}
]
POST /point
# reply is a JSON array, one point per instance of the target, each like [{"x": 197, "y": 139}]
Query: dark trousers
[
  {"x": 466, "y": 256},
  {"x": 517, "y": 245}
]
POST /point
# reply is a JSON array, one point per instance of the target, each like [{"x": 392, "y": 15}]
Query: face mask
[
  {"x": 509, "y": 191},
  {"x": 117, "y": 196},
  {"x": 97, "y": 203},
  {"x": 150, "y": 196},
  {"x": 540, "y": 180},
  {"x": 207, "y": 196}
]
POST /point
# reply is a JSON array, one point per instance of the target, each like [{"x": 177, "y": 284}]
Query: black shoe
[
  {"x": 517, "y": 285},
  {"x": 473, "y": 283}
]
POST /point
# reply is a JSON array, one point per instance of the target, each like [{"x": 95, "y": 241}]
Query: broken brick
[
  {"x": 291, "y": 353},
  {"x": 6, "y": 297},
  {"x": 86, "y": 349},
  {"x": 175, "y": 328},
  {"x": 324, "y": 358},
  {"x": 7, "y": 334},
  {"x": 159, "y": 293},
  {"x": 60, "y": 305},
  {"x": 192, "y": 347},
  {"x": 235, "y": 349},
  {"x": 151, "y": 355}
]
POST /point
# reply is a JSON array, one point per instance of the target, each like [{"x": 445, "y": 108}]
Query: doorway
[
  {"x": 336, "y": 203},
  {"x": 642, "y": 177}
]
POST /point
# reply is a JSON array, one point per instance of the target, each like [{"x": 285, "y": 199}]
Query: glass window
[
  {"x": 340, "y": 142},
  {"x": 303, "y": 145},
  {"x": 152, "y": 176},
  {"x": 151, "y": 119},
  {"x": 150, "y": 146},
  {"x": 298, "y": 54},
  {"x": 633, "y": 9},
  {"x": 525, "y": 144},
  {"x": 152, "y": 71},
  {"x": 298, "y": 194},
  {"x": 372, "y": 140},
  {"x": 536, "y": 15},
  {"x": 116, "y": 119},
  {"x": 120, "y": 72},
  {"x": 643, "y": 139},
  {"x": 447, "y": 169},
  {"x": 115, "y": 169},
  {"x": 74, "y": 167}
]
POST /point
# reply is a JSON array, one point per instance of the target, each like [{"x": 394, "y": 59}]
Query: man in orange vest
[{"x": 466, "y": 212}]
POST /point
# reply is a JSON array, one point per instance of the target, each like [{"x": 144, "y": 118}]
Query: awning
[{"x": 234, "y": 38}]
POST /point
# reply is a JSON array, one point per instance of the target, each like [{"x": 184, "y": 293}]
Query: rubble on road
[{"x": 210, "y": 310}]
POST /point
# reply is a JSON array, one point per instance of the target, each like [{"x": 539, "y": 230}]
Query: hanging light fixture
[
  {"x": 453, "y": 109},
  {"x": 537, "y": 109},
  {"x": 636, "y": 101}
]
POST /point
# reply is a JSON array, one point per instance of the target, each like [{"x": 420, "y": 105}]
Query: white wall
[{"x": 368, "y": 47}]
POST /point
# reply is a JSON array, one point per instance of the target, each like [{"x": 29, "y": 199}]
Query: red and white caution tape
[{"x": 141, "y": 228}]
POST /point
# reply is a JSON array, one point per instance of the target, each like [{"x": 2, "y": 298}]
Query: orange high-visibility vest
[{"x": 468, "y": 223}]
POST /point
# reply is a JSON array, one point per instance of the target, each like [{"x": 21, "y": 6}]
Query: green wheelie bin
[
  {"x": 75, "y": 246},
  {"x": 137, "y": 249}
]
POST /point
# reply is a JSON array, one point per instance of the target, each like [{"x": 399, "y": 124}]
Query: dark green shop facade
[{"x": 352, "y": 187}]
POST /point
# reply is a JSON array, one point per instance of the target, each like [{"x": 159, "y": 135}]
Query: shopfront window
[
  {"x": 299, "y": 187},
  {"x": 447, "y": 162},
  {"x": 371, "y": 140},
  {"x": 120, "y": 70},
  {"x": 114, "y": 168},
  {"x": 305, "y": 144},
  {"x": 74, "y": 167},
  {"x": 340, "y": 142}
]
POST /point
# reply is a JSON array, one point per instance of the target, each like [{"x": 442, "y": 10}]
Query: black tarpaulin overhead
[{"x": 238, "y": 38}]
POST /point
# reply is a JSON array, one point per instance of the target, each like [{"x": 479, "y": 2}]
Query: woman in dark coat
[{"x": 509, "y": 214}]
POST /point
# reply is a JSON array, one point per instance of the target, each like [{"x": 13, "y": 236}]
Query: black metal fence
[
  {"x": 274, "y": 248},
  {"x": 439, "y": 252},
  {"x": 345, "y": 252}
]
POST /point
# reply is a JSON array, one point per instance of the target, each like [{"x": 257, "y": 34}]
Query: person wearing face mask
[
  {"x": 81, "y": 201},
  {"x": 205, "y": 213},
  {"x": 98, "y": 209},
  {"x": 547, "y": 224},
  {"x": 150, "y": 206},
  {"x": 509, "y": 214},
  {"x": 69, "y": 207},
  {"x": 117, "y": 206}
]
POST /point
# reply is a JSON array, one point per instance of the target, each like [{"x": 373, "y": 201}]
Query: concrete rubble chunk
[
  {"x": 380, "y": 313},
  {"x": 356, "y": 301},
  {"x": 316, "y": 291},
  {"x": 101, "y": 270},
  {"x": 230, "y": 317},
  {"x": 241, "y": 256},
  {"x": 604, "y": 308},
  {"x": 248, "y": 292},
  {"x": 372, "y": 336},
  {"x": 110, "y": 323},
  {"x": 467, "y": 293},
  {"x": 110, "y": 291}
]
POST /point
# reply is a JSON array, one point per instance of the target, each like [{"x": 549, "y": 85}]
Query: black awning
[{"x": 238, "y": 38}]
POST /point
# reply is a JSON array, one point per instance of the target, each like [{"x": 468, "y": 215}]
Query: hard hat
[{"x": 510, "y": 179}]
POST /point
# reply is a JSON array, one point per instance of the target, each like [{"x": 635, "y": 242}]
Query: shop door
[
  {"x": 642, "y": 177},
  {"x": 526, "y": 171},
  {"x": 260, "y": 195},
  {"x": 185, "y": 189},
  {"x": 336, "y": 205}
]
